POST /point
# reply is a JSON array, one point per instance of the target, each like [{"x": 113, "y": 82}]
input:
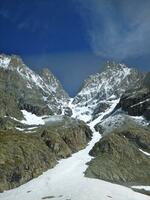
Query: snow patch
[
  {"x": 31, "y": 119},
  {"x": 147, "y": 188},
  {"x": 146, "y": 153}
]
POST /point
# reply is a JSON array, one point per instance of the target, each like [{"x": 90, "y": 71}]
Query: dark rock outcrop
[
  {"x": 99, "y": 128},
  {"x": 136, "y": 102},
  {"x": 101, "y": 107}
]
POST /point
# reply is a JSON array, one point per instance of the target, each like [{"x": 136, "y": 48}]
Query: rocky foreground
[{"x": 24, "y": 156}]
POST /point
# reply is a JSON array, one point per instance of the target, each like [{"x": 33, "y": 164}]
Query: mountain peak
[
  {"x": 112, "y": 65},
  {"x": 11, "y": 61},
  {"x": 35, "y": 92},
  {"x": 109, "y": 84},
  {"x": 4, "y": 61}
]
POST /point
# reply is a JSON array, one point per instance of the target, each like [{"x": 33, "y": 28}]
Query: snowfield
[{"x": 66, "y": 181}]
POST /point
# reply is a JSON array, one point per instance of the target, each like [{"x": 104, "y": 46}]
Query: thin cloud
[{"x": 117, "y": 29}]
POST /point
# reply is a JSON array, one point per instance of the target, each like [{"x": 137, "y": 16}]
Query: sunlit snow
[
  {"x": 146, "y": 153},
  {"x": 147, "y": 188},
  {"x": 31, "y": 119}
]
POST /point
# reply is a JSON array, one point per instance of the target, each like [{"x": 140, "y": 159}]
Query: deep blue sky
[{"x": 74, "y": 37}]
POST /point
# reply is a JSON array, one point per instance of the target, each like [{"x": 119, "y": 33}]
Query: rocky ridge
[
  {"x": 100, "y": 89},
  {"x": 125, "y": 144},
  {"x": 39, "y": 94}
]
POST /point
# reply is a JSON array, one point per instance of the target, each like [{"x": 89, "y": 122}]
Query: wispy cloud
[{"x": 117, "y": 29}]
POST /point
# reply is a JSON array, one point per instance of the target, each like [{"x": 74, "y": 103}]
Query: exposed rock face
[
  {"x": 34, "y": 93},
  {"x": 113, "y": 80},
  {"x": 118, "y": 157},
  {"x": 100, "y": 89},
  {"x": 24, "y": 156},
  {"x": 101, "y": 107},
  {"x": 70, "y": 135},
  {"x": 136, "y": 102},
  {"x": 9, "y": 106}
]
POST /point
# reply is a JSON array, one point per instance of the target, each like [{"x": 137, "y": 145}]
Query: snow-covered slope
[{"x": 99, "y": 90}]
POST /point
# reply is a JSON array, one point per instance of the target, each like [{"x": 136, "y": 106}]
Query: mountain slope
[
  {"x": 39, "y": 94},
  {"x": 96, "y": 102},
  {"x": 67, "y": 181},
  {"x": 100, "y": 89}
]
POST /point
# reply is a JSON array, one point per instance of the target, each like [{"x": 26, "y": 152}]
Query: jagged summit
[
  {"x": 11, "y": 62},
  {"x": 114, "y": 79},
  {"x": 113, "y": 65},
  {"x": 40, "y": 94},
  {"x": 50, "y": 79},
  {"x": 107, "y": 85}
]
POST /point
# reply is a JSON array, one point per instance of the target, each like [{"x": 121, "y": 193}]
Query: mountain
[
  {"x": 40, "y": 94},
  {"x": 35, "y": 133},
  {"x": 99, "y": 90},
  {"x": 125, "y": 130}
]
